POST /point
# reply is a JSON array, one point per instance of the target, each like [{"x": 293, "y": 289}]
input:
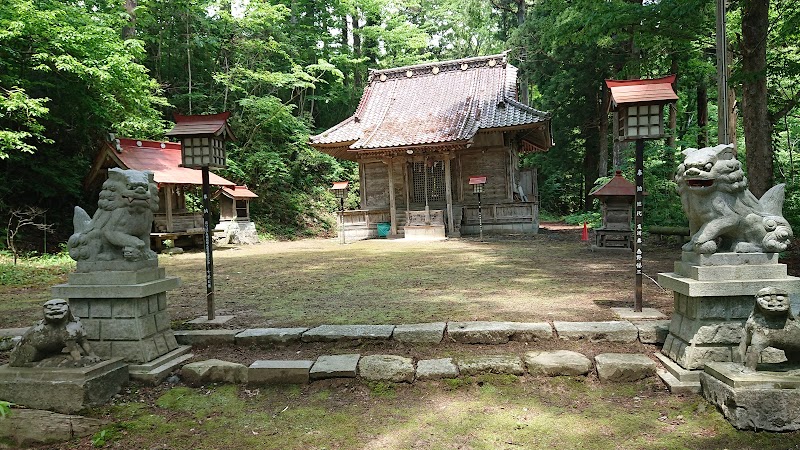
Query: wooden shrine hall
[{"x": 418, "y": 135}]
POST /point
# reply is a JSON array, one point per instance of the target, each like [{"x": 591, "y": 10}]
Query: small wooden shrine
[
  {"x": 234, "y": 214},
  {"x": 421, "y": 131},
  {"x": 616, "y": 199}
]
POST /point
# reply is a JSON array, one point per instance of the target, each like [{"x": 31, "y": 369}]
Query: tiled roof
[
  {"x": 654, "y": 90},
  {"x": 617, "y": 186},
  {"x": 433, "y": 103},
  {"x": 161, "y": 158},
  {"x": 238, "y": 192}
]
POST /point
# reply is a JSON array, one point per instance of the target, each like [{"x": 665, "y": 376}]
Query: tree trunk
[
  {"x": 702, "y": 115},
  {"x": 602, "y": 148},
  {"x": 590, "y": 163},
  {"x": 358, "y": 80},
  {"x": 523, "y": 78},
  {"x": 757, "y": 128},
  {"x": 129, "y": 31}
]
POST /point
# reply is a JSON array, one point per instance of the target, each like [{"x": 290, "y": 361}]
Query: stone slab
[
  {"x": 744, "y": 272},
  {"x": 765, "y": 376},
  {"x": 555, "y": 363},
  {"x": 754, "y": 408},
  {"x": 155, "y": 371},
  {"x": 279, "y": 372},
  {"x": 217, "y": 320},
  {"x": 12, "y": 332},
  {"x": 618, "y": 367},
  {"x": 681, "y": 374},
  {"x": 332, "y": 333},
  {"x": 63, "y": 389},
  {"x": 115, "y": 266},
  {"x": 335, "y": 366},
  {"x": 652, "y": 331},
  {"x": 479, "y": 332},
  {"x": 420, "y": 333},
  {"x": 269, "y": 336},
  {"x": 29, "y": 427},
  {"x": 386, "y": 368},
  {"x": 116, "y": 277},
  {"x": 214, "y": 371},
  {"x": 206, "y": 337},
  {"x": 677, "y": 386},
  {"x": 69, "y": 291},
  {"x": 501, "y": 364},
  {"x": 611, "y": 331},
  {"x": 727, "y": 258},
  {"x": 434, "y": 369},
  {"x": 644, "y": 314},
  {"x": 694, "y": 288}
]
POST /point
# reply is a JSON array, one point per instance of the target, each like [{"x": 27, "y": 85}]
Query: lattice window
[{"x": 433, "y": 171}]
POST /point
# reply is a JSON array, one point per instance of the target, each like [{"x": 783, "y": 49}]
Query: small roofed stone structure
[
  {"x": 421, "y": 131},
  {"x": 234, "y": 215},
  {"x": 616, "y": 198}
]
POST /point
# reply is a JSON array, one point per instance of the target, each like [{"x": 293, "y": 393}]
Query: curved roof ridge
[{"x": 451, "y": 62}]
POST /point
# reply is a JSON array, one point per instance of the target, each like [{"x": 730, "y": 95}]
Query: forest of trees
[{"x": 73, "y": 71}]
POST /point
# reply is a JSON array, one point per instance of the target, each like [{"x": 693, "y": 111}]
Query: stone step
[
  {"x": 155, "y": 371},
  {"x": 678, "y": 379}
]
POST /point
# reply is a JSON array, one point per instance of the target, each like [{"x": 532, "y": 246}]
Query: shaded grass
[
  {"x": 487, "y": 412},
  {"x": 24, "y": 287}
]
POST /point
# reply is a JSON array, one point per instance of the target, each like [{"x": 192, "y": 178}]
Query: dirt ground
[{"x": 547, "y": 277}]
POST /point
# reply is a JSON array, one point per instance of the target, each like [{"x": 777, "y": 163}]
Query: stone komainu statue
[
  {"x": 724, "y": 216},
  {"x": 45, "y": 342},
  {"x": 120, "y": 228},
  {"x": 771, "y": 324}
]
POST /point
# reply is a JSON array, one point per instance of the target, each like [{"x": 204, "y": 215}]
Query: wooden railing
[
  {"x": 180, "y": 222},
  {"x": 501, "y": 213},
  {"x": 364, "y": 217}
]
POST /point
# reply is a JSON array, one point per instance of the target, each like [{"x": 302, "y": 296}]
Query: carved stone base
[
  {"x": 124, "y": 313},
  {"x": 63, "y": 389},
  {"x": 713, "y": 297},
  {"x": 763, "y": 400}
]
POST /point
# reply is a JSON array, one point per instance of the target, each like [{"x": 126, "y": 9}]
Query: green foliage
[
  {"x": 100, "y": 438},
  {"x": 593, "y": 219},
  {"x": 5, "y": 409},
  {"x": 34, "y": 270}
]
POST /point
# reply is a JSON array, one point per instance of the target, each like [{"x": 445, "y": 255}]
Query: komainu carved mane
[
  {"x": 120, "y": 228},
  {"x": 724, "y": 216}
]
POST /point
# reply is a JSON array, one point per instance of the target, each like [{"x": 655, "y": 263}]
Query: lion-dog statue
[
  {"x": 120, "y": 228},
  {"x": 44, "y": 343},
  {"x": 771, "y": 324},
  {"x": 724, "y": 216}
]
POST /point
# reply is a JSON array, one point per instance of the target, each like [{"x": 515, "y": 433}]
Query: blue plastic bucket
[{"x": 383, "y": 229}]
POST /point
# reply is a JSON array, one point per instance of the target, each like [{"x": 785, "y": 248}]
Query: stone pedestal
[
  {"x": 63, "y": 389},
  {"x": 124, "y": 312},
  {"x": 713, "y": 297},
  {"x": 764, "y": 400}
]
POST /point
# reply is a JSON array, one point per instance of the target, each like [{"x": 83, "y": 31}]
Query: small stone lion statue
[
  {"x": 771, "y": 324},
  {"x": 120, "y": 228},
  {"x": 44, "y": 343},
  {"x": 724, "y": 216}
]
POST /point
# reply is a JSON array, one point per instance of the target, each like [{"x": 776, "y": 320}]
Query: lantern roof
[
  {"x": 618, "y": 186},
  {"x": 199, "y": 125},
  {"x": 339, "y": 185},
  {"x": 641, "y": 91}
]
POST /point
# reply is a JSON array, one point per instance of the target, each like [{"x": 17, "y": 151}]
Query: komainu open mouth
[{"x": 700, "y": 183}]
